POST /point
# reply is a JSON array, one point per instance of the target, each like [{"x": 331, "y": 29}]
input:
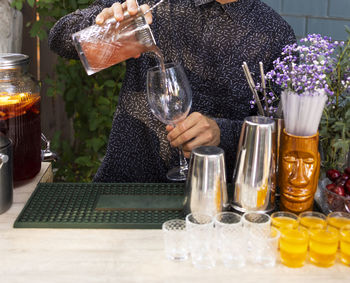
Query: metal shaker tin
[
  {"x": 254, "y": 177},
  {"x": 6, "y": 175},
  {"x": 206, "y": 190}
]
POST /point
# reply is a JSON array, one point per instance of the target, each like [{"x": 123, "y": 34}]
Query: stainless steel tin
[
  {"x": 6, "y": 181},
  {"x": 254, "y": 177},
  {"x": 206, "y": 190}
]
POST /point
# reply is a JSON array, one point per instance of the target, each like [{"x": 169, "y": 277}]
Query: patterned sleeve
[{"x": 60, "y": 36}]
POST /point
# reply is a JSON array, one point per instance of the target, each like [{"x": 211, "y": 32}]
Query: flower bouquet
[{"x": 301, "y": 72}]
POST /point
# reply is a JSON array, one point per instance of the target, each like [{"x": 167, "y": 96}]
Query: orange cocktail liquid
[
  {"x": 284, "y": 222},
  {"x": 293, "y": 247},
  {"x": 310, "y": 221},
  {"x": 338, "y": 222},
  {"x": 323, "y": 247},
  {"x": 345, "y": 247}
]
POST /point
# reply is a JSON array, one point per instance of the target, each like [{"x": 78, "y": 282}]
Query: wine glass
[{"x": 170, "y": 98}]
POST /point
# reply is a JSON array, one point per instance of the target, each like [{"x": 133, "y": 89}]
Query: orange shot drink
[
  {"x": 293, "y": 246},
  {"x": 338, "y": 219},
  {"x": 284, "y": 219},
  {"x": 345, "y": 244},
  {"x": 312, "y": 219},
  {"x": 323, "y": 246}
]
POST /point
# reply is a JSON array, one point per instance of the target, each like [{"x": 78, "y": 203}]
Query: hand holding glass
[{"x": 170, "y": 99}]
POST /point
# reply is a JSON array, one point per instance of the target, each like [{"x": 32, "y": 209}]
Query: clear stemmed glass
[{"x": 170, "y": 101}]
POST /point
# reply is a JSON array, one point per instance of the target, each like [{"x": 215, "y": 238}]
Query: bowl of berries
[{"x": 335, "y": 191}]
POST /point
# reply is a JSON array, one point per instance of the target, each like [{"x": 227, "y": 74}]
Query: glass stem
[{"x": 183, "y": 161}]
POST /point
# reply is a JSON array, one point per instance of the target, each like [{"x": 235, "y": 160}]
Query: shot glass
[
  {"x": 293, "y": 246},
  {"x": 323, "y": 246},
  {"x": 312, "y": 219},
  {"x": 200, "y": 235},
  {"x": 254, "y": 223},
  {"x": 175, "y": 241},
  {"x": 265, "y": 247},
  {"x": 284, "y": 219},
  {"x": 230, "y": 239},
  {"x": 345, "y": 244},
  {"x": 338, "y": 219}
]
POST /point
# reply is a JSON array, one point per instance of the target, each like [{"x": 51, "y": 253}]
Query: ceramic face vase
[{"x": 299, "y": 169}]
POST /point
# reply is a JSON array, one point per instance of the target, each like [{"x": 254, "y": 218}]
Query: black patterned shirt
[{"x": 211, "y": 41}]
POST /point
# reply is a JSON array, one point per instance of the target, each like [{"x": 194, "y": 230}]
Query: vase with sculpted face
[{"x": 298, "y": 172}]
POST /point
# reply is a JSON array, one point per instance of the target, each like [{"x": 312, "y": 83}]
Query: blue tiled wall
[{"x": 327, "y": 17}]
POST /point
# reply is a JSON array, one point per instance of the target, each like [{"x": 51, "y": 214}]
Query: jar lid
[
  {"x": 8, "y": 60},
  {"x": 4, "y": 141}
]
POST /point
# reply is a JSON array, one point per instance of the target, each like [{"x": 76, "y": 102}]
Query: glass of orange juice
[
  {"x": 338, "y": 219},
  {"x": 323, "y": 246},
  {"x": 284, "y": 219},
  {"x": 345, "y": 244},
  {"x": 293, "y": 246},
  {"x": 312, "y": 219}
]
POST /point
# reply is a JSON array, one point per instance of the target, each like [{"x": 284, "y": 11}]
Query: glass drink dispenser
[{"x": 20, "y": 114}]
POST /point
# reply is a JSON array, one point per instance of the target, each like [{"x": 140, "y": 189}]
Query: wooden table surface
[{"x": 92, "y": 255}]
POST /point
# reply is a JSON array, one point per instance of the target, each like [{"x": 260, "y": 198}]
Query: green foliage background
[
  {"x": 335, "y": 121},
  {"x": 90, "y": 100}
]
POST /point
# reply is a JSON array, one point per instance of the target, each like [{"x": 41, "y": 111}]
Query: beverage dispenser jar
[{"x": 20, "y": 114}]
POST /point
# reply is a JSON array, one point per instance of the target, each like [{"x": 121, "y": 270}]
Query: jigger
[
  {"x": 254, "y": 176},
  {"x": 206, "y": 190}
]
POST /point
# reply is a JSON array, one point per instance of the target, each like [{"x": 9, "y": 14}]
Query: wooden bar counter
[{"x": 113, "y": 255}]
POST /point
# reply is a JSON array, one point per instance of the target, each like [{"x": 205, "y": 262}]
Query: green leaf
[
  {"x": 83, "y": 160},
  {"x": 83, "y": 1},
  {"x": 19, "y": 5},
  {"x": 110, "y": 83},
  {"x": 31, "y": 3},
  {"x": 103, "y": 100}
]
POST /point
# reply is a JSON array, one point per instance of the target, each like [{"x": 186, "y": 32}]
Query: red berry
[
  {"x": 333, "y": 174},
  {"x": 347, "y": 171},
  {"x": 347, "y": 187},
  {"x": 331, "y": 186},
  {"x": 339, "y": 190},
  {"x": 345, "y": 177}
]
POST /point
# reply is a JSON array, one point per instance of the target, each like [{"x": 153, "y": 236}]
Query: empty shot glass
[
  {"x": 254, "y": 223},
  {"x": 345, "y": 244},
  {"x": 230, "y": 239},
  {"x": 200, "y": 235},
  {"x": 265, "y": 247},
  {"x": 175, "y": 241},
  {"x": 323, "y": 246}
]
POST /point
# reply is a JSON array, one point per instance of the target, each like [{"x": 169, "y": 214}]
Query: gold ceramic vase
[{"x": 299, "y": 168}]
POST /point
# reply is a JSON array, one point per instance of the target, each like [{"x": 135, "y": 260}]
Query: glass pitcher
[{"x": 100, "y": 47}]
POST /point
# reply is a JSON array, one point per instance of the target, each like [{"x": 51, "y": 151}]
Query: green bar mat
[{"x": 101, "y": 205}]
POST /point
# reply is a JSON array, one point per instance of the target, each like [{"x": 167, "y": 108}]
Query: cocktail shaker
[
  {"x": 206, "y": 190},
  {"x": 254, "y": 176}
]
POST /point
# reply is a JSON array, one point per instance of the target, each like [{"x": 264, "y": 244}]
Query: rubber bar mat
[{"x": 100, "y": 205}]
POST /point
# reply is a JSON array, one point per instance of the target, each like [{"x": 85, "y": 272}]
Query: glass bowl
[{"x": 331, "y": 201}]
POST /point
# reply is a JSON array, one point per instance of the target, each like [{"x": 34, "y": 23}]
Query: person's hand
[
  {"x": 226, "y": 1},
  {"x": 117, "y": 11},
  {"x": 194, "y": 131}
]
